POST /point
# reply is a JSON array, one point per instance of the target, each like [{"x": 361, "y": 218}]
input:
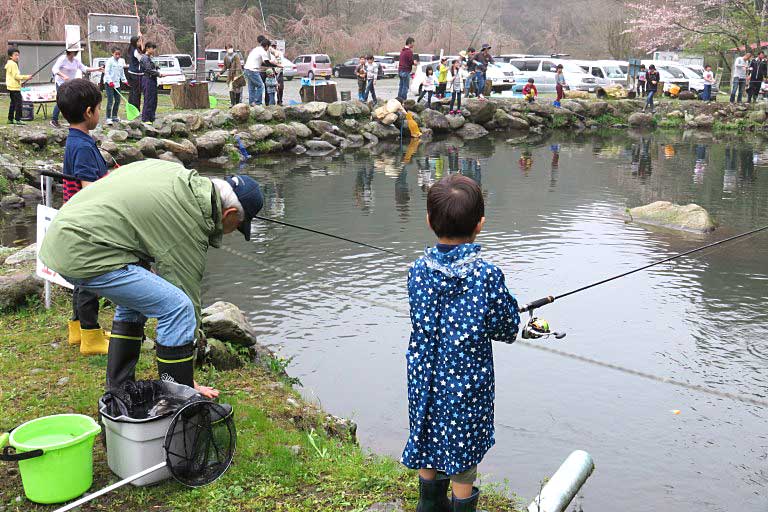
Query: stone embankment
[{"x": 220, "y": 138}]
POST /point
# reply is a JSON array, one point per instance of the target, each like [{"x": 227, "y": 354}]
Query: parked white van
[{"x": 604, "y": 69}]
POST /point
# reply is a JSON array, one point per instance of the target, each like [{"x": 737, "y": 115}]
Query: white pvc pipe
[
  {"x": 112, "y": 487},
  {"x": 560, "y": 490}
]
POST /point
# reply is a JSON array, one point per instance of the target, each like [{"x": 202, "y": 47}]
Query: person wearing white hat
[{"x": 66, "y": 68}]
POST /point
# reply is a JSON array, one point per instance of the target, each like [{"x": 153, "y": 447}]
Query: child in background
[
  {"x": 458, "y": 75},
  {"x": 371, "y": 74},
  {"x": 362, "y": 80},
  {"x": 560, "y": 84},
  {"x": 114, "y": 75},
  {"x": 641, "y": 81},
  {"x": 149, "y": 83},
  {"x": 530, "y": 92},
  {"x": 459, "y": 303},
  {"x": 13, "y": 81},
  {"x": 271, "y": 84},
  {"x": 79, "y": 102},
  {"x": 428, "y": 86},
  {"x": 709, "y": 81},
  {"x": 442, "y": 77}
]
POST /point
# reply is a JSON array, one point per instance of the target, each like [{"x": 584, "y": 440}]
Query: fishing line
[
  {"x": 334, "y": 289},
  {"x": 550, "y": 299},
  {"x": 57, "y": 56}
]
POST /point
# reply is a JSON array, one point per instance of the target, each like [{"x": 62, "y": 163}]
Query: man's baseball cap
[
  {"x": 485, "y": 46},
  {"x": 249, "y": 194}
]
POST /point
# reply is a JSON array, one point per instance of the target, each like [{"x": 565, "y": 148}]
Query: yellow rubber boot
[
  {"x": 93, "y": 342},
  {"x": 74, "y": 332}
]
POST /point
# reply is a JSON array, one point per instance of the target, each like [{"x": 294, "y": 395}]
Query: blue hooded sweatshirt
[{"x": 459, "y": 303}]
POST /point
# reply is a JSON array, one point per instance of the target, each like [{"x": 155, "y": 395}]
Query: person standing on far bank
[
  {"x": 756, "y": 72},
  {"x": 134, "y": 74},
  {"x": 235, "y": 79},
  {"x": 252, "y": 66},
  {"x": 739, "y": 77},
  {"x": 651, "y": 86},
  {"x": 66, "y": 68},
  {"x": 150, "y": 73},
  {"x": 404, "y": 69}
]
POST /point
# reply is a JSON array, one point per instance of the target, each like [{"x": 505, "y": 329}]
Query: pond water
[{"x": 554, "y": 222}]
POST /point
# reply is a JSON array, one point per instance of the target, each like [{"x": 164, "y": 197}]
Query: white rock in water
[{"x": 691, "y": 217}]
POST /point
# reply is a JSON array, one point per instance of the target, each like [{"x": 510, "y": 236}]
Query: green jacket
[{"x": 149, "y": 211}]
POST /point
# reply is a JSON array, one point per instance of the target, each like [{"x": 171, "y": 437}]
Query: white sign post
[{"x": 45, "y": 215}]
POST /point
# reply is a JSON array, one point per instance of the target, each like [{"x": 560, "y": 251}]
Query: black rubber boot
[
  {"x": 232, "y": 98},
  {"x": 123, "y": 353},
  {"x": 433, "y": 495},
  {"x": 466, "y": 504},
  {"x": 176, "y": 364}
]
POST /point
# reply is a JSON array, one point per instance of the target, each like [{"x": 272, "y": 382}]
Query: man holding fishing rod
[
  {"x": 139, "y": 237},
  {"x": 66, "y": 68}
]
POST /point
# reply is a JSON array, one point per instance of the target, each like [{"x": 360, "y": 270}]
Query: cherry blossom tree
[{"x": 713, "y": 25}]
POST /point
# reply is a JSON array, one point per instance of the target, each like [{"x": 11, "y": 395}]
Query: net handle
[{"x": 112, "y": 487}]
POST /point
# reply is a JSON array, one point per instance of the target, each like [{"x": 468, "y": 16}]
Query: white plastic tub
[{"x": 134, "y": 445}]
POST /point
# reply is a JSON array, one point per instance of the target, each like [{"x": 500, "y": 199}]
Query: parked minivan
[
  {"x": 604, "y": 70},
  {"x": 313, "y": 65},
  {"x": 542, "y": 70},
  {"x": 185, "y": 62}
]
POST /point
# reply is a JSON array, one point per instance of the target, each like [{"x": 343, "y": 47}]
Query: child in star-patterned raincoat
[{"x": 459, "y": 303}]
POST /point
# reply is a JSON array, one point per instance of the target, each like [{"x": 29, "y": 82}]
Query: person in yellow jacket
[
  {"x": 442, "y": 77},
  {"x": 13, "y": 81}
]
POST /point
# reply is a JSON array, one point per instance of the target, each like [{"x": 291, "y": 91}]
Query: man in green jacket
[{"x": 139, "y": 237}]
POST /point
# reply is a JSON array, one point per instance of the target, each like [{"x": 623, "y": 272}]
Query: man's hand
[{"x": 206, "y": 391}]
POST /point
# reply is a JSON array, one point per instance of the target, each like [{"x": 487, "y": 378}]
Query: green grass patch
[
  {"x": 561, "y": 121},
  {"x": 278, "y": 466},
  {"x": 608, "y": 120},
  {"x": 670, "y": 123},
  {"x": 736, "y": 125}
]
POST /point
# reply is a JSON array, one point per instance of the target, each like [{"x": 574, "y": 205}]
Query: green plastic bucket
[{"x": 55, "y": 456}]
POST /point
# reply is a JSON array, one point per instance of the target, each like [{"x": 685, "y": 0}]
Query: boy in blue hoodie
[{"x": 459, "y": 303}]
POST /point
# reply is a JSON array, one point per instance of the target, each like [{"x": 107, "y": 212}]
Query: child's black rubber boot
[
  {"x": 433, "y": 495},
  {"x": 466, "y": 504}
]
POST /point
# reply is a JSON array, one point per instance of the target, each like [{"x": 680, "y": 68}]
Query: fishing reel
[{"x": 537, "y": 328}]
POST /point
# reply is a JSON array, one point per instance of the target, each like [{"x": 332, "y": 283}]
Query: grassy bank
[{"x": 277, "y": 467}]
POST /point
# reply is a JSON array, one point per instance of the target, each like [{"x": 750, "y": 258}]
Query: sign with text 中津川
[{"x": 112, "y": 28}]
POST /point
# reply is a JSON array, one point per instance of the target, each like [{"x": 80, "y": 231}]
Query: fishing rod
[
  {"x": 66, "y": 49},
  {"x": 59, "y": 175},
  {"x": 550, "y": 299}
]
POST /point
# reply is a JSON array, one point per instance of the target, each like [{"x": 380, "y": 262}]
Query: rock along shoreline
[{"x": 217, "y": 138}]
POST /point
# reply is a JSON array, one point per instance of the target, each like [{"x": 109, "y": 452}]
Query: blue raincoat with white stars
[{"x": 459, "y": 303}]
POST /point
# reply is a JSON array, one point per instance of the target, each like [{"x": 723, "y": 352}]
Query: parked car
[
  {"x": 387, "y": 65},
  {"x": 695, "y": 79},
  {"x": 214, "y": 63},
  {"x": 421, "y": 57},
  {"x": 542, "y": 70},
  {"x": 606, "y": 70},
  {"x": 289, "y": 69},
  {"x": 348, "y": 67},
  {"x": 313, "y": 65},
  {"x": 186, "y": 63}
]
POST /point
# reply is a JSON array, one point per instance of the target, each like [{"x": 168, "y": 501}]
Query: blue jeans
[
  {"x": 113, "y": 101},
  {"x": 370, "y": 89},
  {"x": 55, "y": 115},
  {"x": 255, "y": 87},
  {"x": 706, "y": 95},
  {"x": 480, "y": 83},
  {"x": 649, "y": 101},
  {"x": 140, "y": 294},
  {"x": 405, "y": 83},
  {"x": 468, "y": 84},
  {"x": 271, "y": 97},
  {"x": 737, "y": 85}
]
